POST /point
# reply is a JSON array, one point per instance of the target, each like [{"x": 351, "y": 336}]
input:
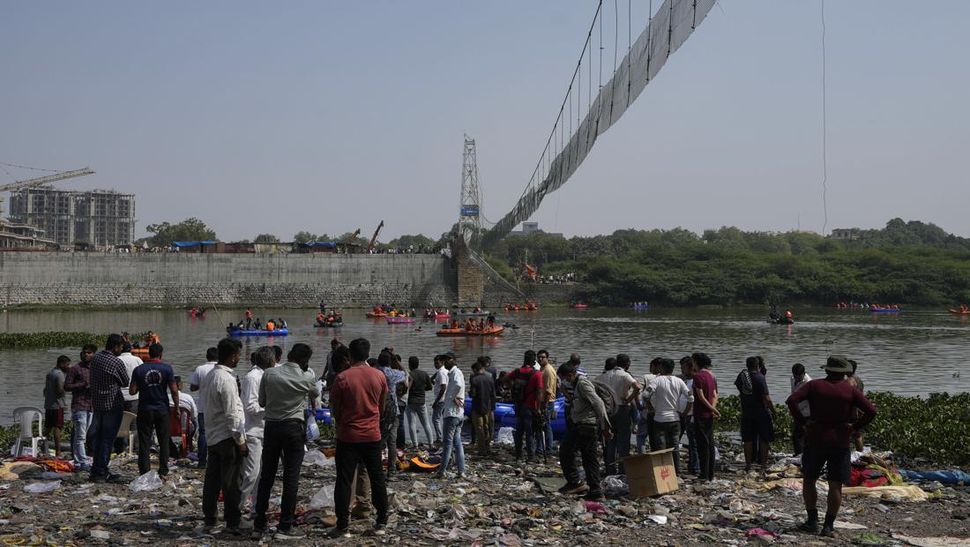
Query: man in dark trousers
[
  {"x": 482, "y": 391},
  {"x": 586, "y": 418},
  {"x": 226, "y": 429},
  {"x": 284, "y": 393},
  {"x": 526, "y": 385},
  {"x": 356, "y": 400},
  {"x": 828, "y": 434},
  {"x": 149, "y": 381},
  {"x": 705, "y": 412},
  {"x": 108, "y": 377},
  {"x": 417, "y": 409}
]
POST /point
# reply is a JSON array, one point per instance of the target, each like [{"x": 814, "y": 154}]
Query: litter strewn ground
[{"x": 499, "y": 502}]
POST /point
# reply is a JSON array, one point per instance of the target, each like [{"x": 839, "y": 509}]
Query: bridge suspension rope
[{"x": 667, "y": 29}]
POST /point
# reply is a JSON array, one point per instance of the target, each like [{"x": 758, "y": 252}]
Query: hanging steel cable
[{"x": 667, "y": 30}]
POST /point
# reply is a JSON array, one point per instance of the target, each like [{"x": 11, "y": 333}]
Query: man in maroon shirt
[
  {"x": 705, "y": 411},
  {"x": 356, "y": 400},
  {"x": 526, "y": 384},
  {"x": 828, "y": 431}
]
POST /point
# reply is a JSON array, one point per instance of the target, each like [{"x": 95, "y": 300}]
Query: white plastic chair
[
  {"x": 26, "y": 416},
  {"x": 126, "y": 432}
]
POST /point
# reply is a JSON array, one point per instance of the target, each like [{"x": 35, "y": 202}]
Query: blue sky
[{"x": 327, "y": 116}]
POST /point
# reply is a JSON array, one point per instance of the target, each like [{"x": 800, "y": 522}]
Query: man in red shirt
[
  {"x": 828, "y": 431},
  {"x": 356, "y": 400},
  {"x": 526, "y": 385}
]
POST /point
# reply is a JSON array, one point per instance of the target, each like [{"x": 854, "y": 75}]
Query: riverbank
[{"x": 498, "y": 502}]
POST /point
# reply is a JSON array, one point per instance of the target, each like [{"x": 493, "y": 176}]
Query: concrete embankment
[{"x": 176, "y": 280}]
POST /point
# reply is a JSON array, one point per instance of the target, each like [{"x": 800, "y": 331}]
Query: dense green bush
[
  {"x": 730, "y": 421},
  {"x": 905, "y": 262},
  {"x": 58, "y": 339},
  {"x": 934, "y": 428}
]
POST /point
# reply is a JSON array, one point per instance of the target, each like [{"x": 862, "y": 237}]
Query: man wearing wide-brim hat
[{"x": 828, "y": 432}]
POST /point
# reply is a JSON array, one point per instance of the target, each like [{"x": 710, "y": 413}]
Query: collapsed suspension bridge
[{"x": 567, "y": 145}]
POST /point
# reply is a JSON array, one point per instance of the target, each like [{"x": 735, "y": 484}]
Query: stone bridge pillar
[{"x": 471, "y": 279}]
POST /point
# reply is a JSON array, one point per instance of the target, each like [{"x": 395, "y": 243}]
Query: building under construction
[{"x": 95, "y": 219}]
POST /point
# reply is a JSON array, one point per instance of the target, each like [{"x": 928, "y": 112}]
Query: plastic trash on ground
[
  {"x": 615, "y": 486},
  {"x": 506, "y": 436},
  {"x": 315, "y": 457},
  {"x": 658, "y": 519},
  {"x": 42, "y": 487},
  {"x": 146, "y": 483},
  {"x": 323, "y": 498}
]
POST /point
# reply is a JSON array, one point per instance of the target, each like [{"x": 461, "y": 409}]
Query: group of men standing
[{"x": 248, "y": 426}]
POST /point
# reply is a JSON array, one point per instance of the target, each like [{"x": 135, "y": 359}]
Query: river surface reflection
[{"x": 912, "y": 353}]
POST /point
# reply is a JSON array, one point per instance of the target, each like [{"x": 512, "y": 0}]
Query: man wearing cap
[
  {"x": 587, "y": 417},
  {"x": 828, "y": 432}
]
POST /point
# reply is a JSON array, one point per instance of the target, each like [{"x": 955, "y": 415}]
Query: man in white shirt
[
  {"x": 131, "y": 363},
  {"x": 625, "y": 389},
  {"x": 131, "y": 401},
  {"x": 454, "y": 414},
  {"x": 440, "y": 381},
  {"x": 669, "y": 399},
  {"x": 226, "y": 434},
  {"x": 186, "y": 402},
  {"x": 645, "y": 421},
  {"x": 195, "y": 384},
  {"x": 263, "y": 359}
]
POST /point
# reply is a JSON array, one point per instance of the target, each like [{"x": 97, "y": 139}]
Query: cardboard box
[{"x": 651, "y": 474}]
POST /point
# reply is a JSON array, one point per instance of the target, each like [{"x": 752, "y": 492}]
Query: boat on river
[
  {"x": 494, "y": 331},
  {"x": 329, "y": 324},
  {"x": 140, "y": 352},
  {"x": 579, "y": 306},
  {"x": 398, "y": 320},
  {"x": 237, "y": 332},
  {"x": 885, "y": 309},
  {"x": 960, "y": 312}
]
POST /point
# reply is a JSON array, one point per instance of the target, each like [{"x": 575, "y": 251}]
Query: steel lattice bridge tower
[{"x": 469, "y": 218}]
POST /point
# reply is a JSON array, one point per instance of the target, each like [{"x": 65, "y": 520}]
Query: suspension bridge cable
[
  {"x": 616, "y": 33},
  {"x": 562, "y": 107},
  {"x": 601, "y": 54},
  {"x": 629, "y": 48},
  {"x": 825, "y": 161}
]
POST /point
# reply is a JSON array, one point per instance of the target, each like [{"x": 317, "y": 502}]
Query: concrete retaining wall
[{"x": 172, "y": 279}]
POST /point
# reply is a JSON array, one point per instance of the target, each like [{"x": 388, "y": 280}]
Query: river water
[{"x": 913, "y": 353}]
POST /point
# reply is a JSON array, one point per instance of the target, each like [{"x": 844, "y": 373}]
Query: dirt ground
[{"x": 498, "y": 503}]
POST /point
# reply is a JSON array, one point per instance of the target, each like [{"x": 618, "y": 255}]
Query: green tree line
[{"x": 903, "y": 263}]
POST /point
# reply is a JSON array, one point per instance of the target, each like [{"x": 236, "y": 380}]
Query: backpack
[
  {"x": 388, "y": 414},
  {"x": 606, "y": 394},
  {"x": 520, "y": 382}
]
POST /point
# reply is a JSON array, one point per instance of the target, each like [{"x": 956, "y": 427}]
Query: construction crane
[
  {"x": 40, "y": 181},
  {"x": 370, "y": 246},
  {"x": 349, "y": 239}
]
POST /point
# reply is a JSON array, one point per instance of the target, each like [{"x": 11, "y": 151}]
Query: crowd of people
[{"x": 251, "y": 423}]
